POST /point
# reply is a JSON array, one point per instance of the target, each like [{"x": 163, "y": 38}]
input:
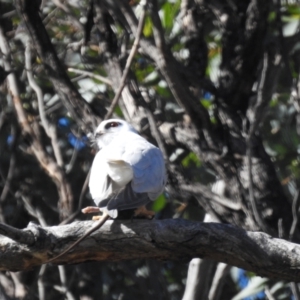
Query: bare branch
[
  {"x": 22, "y": 236},
  {"x": 49, "y": 128},
  {"x": 218, "y": 281},
  {"x": 257, "y": 216},
  {"x": 90, "y": 74},
  {"x": 64, "y": 287},
  {"x": 67, "y": 92},
  {"x": 269, "y": 75},
  {"x": 128, "y": 64},
  {"x": 199, "y": 189},
  {"x": 199, "y": 277},
  {"x": 40, "y": 283},
  {"x": 169, "y": 68},
  {"x": 178, "y": 240},
  {"x": 295, "y": 211},
  {"x": 45, "y": 160}
]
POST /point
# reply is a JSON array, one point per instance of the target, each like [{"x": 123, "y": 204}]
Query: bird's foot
[
  {"x": 143, "y": 212},
  {"x": 91, "y": 210}
]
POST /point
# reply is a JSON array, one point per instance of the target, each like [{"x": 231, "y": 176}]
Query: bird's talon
[
  {"x": 90, "y": 210},
  {"x": 143, "y": 212}
]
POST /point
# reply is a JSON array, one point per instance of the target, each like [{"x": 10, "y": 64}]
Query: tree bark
[{"x": 178, "y": 240}]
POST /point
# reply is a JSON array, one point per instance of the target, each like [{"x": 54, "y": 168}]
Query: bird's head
[{"x": 109, "y": 129}]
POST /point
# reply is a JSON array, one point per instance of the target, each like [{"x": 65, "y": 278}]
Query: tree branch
[
  {"x": 23, "y": 236},
  {"x": 169, "y": 68},
  {"x": 178, "y": 240},
  {"x": 76, "y": 105},
  {"x": 133, "y": 50},
  {"x": 45, "y": 160}
]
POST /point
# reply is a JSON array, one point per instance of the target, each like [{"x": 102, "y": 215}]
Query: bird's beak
[{"x": 98, "y": 134}]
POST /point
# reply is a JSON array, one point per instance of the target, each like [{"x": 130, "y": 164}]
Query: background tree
[{"x": 215, "y": 84}]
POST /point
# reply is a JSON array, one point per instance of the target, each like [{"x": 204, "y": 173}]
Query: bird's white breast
[{"x": 119, "y": 171}]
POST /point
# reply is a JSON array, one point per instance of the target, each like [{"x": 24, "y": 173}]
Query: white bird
[{"x": 128, "y": 171}]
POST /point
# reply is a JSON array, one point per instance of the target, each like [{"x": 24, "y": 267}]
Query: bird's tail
[{"x": 123, "y": 199}]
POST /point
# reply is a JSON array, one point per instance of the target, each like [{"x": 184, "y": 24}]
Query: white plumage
[{"x": 128, "y": 171}]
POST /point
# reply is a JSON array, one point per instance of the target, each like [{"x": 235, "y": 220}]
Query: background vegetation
[{"x": 214, "y": 83}]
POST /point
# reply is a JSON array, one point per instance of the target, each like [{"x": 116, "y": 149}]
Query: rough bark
[{"x": 178, "y": 240}]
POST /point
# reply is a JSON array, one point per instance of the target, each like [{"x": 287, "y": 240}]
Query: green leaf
[
  {"x": 147, "y": 30},
  {"x": 206, "y": 103},
  {"x": 169, "y": 11},
  {"x": 273, "y": 102},
  {"x": 159, "y": 203},
  {"x": 294, "y": 10},
  {"x": 280, "y": 149},
  {"x": 191, "y": 158},
  {"x": 118, "y": 112},
  {"x": 272, "y": 16},
  {"x": 164, "y": 92},
  {"x": 167, "y": 20}
]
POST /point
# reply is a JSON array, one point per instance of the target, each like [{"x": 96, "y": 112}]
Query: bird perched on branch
[{"x": 127, "y": 173}]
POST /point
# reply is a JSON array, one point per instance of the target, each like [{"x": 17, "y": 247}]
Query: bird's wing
[
  {"x": 149, "y": 173},
  {"x": 147, "y": 163}
]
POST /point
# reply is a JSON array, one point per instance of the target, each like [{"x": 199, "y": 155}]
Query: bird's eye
[{"x": 112, "y": 124}]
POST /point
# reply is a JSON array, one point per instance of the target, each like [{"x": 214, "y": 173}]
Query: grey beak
[{"x": 98, "y": 134}]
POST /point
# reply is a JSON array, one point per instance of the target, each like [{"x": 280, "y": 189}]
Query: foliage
[{"x": 203, "y": 76}]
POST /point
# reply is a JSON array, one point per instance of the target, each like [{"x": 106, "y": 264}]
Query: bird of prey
[{"x": 127, "y": 173}]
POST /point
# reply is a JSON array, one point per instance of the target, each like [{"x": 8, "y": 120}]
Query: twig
[
  {"x": 295, "y": 290},
  {"x": 49, "y": 128},
  {"x": 35, "y": 212},
  {"x": 40, "y": 283},
  {"x": 9, "y": 177},
  {"x": 282, "y": 40},
  {"x": 249, "y": 136},
  {"x": 260, "y": 96},
  {"x": 78, "y": 210},
  {"x": 295, "y": 205},
  {"x": 90, "y": 74},
  {"x": 198, "y": 279},
  {"x": 128, "y": 64},
  {"x": 269, "y": 294},
  {"x": 63, "y": 279},
  {"x": 218, "y": 281},
  {"x": 21, "y": 291},
  {"x": 158, "y": 31},
  {"x": 154, "y": 130},
  {"x": 71, "y": 164},
  {"x": 198, "y": 188}
]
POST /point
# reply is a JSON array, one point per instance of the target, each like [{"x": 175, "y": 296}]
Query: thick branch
[
  {"x": 18, "y": 235},
  {"x": 178, "y": 240}
]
